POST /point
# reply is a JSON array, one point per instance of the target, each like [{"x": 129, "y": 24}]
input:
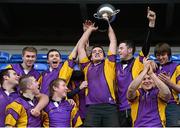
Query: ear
[
  {"x": 130, "y": 50},
  {"x": 54, "y": 88},
  {"x": 5, "y": 77}
]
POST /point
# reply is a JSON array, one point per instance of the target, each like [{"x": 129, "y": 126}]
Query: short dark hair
[
  {"x": 4, "y": 72},
  {"x": 53, "y": 50},
  {"x": 54, "y": 83},
  {"x": 29, "y": 49},
  {"x": 129, "y": 44},
  {"x": 161, "y": 48}
]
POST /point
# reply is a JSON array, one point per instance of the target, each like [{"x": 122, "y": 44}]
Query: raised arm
[
  {"x": 164, "y": 92},
  {"x": 151, "y": 16},
  {"x": 131, "y": 93},
  {"x": 83, "y": 41},
  {"x": 113, "y": 40}
]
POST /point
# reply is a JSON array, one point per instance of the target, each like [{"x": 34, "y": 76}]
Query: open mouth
[
  {"x": 55, "y": 62},
  {"x": 97, "y": 55}
]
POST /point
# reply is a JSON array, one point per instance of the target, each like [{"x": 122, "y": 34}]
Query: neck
[
  {"x": 55, "y": 97},
  {"x": 8, "y": 88},
  {"x": 96, "y": 62},
  {"x": 28, "y": 95},
  {"x": 128, "y": 58},
  {"x": 25, "y": 66}
]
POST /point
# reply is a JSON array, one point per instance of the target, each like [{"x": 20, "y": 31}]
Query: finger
[{"x": 148, "y": 9}]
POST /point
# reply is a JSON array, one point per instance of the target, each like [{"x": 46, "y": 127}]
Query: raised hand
[
  {"x": 146, "y": 63},
  {"x": 151, "y": 15},
  {"x": 83, "y": 85},
  {"x": 89, "y": 24}
]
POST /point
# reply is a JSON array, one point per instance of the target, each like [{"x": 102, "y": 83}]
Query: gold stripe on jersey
[
  {"x": 173, "y": 79},
  {"x": 134, "y": 107},
  {"x": 19, "y": 109},
  {"x": 85, "y": 70},
  {"x": 73, "y": 115},
  {"x": 65, "y": 72},
  {"x": 110, "y": 73},
  {"x": 161, "y": 109},
  {"x": 45, "y": 119}
]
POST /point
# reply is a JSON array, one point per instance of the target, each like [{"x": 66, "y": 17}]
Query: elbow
[
  {"x": 166, "y": 96},
  {"x": 130, "y": 95}
]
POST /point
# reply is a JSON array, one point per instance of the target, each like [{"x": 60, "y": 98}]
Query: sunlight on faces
[
  {"x": 97, "y": 54},
  {"x": 61, "y": 89},
  {"x": 54, "y": 59},
  {"x": 147, "y": 83},
  {"x": 124, "y": 52},
  {"x": 29, "y": 58},
  {"x": 162, "y": 58}
]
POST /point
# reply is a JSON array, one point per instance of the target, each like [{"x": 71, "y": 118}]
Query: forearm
[
  {"x": 82, "y": 43},
  {"x": 164, "y": 91},
  {"x": 131, "y": 93},
  {"x": 173, "y": 86},
  {"x": 84, "y": 39},
  {"x": 43, "y": 101},
  {"x": 113, "y": 40},
  {"x": 72, "y": 93},
  {"x": 146, "y": 45},
  {"x": 74, "y": 52}
]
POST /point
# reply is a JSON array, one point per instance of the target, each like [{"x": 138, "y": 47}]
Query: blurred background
[
  {"x": 48, "y": 24},
  {"x": 59, "y": 22}
]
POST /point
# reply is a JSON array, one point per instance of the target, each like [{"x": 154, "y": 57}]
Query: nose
[
  {"x": 119, "y": 50},
  {"x": 17, "y": 76},
  {"x": 66, "y": 88}
]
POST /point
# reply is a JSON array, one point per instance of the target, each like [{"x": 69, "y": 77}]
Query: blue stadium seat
[
  {"x": 3, "y": 65},
  {"x": 41, "y": 67},
  {"x": 152, "y": 57},
  {"x": 136, "y": 54},
  {"x": 16, "y": 58},
  {"x": 176, "y": 58},
  {"x": 41, "y": 58},
  {"x": 4, "y": 57},
  {"x": 64, "y": 57}
]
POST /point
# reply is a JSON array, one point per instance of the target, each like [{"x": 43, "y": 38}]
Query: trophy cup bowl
[{"x": 106, "y": 14}]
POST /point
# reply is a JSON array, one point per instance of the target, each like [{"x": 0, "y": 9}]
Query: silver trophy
[{"x": 106, "y": 14}]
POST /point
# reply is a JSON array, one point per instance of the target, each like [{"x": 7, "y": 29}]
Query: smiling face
[
  {"x": 34, "y": 85},
  {"x": 29, "y": 58},
  {"x": 162, "y": 51},
  {"x": 162, "y": 58},
  {"x": 61, "y": 89},
  {"x": 12, "y": 78},
  {"x": 54, "y": 59},
  {"x": 147, "y": 83}
]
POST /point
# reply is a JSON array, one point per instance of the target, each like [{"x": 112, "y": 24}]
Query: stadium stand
[
  {"x": 41, "y": 62},
  {"x": 16, "y": 58},
  {"x": 4, "y": 57}
]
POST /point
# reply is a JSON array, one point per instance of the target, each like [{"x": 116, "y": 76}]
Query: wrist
[{"x": 151, "y": 24}]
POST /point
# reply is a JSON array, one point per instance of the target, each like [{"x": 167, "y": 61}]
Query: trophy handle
[
  {"x": 96, "y": 15},
  {"x": 115, "y": 12}
]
